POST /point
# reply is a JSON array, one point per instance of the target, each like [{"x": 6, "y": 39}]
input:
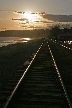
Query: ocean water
[{"x": 4, "y": 41}]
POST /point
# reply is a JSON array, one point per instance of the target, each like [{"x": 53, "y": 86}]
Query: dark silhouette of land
[
  {"x": 52, "y": 32},
  {"x": 24, "y": 33}
]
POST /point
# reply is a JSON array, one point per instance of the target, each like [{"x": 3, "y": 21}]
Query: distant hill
[{"x": 59, "y": 18}]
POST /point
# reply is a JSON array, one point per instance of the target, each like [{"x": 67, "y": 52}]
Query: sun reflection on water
[
  {"x": 24, "y": 39},
  {"x": 4, "y": 41},
  {"x": 27, "y": 39}
]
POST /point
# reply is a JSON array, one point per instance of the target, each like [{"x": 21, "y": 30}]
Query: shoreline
[{"x": 4, "y": 41}]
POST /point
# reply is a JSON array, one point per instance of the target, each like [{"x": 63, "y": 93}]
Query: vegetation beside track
[
  {"x": 12, "y": 57},
  {"x": 64, "y": 63}
]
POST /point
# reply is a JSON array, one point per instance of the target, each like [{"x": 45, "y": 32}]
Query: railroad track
[{"x": 40, "y": 85}]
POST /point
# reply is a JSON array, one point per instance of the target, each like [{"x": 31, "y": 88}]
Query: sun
[
  {"x": 31, "y": 17},
  {"x": 28, "y": 15}
]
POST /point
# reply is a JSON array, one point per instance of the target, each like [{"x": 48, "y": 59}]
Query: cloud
[
  {"x": 34, "y": 27},
  {"x": 12, "y": 11},
  {"x": 44, "y": 21},
  {"x": 3, "y": 29},
  {"x": 20, "y": 19},
  {"x": 38, "y": 19},
  {"x": 58, "y": 18},
  {"x": 21, "y": 12},
  {"x": 6, "y": 10},
  {"x": 17, "y": 12},
  {"x": 24, "y": 26},
  {"x": 24, "y": 23}
]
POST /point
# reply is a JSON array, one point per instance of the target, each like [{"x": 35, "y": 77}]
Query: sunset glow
[
  {"x": 31, "y": 17},
  {"x": 31, "y": 14},
  {"x": 28, "y": 16}
]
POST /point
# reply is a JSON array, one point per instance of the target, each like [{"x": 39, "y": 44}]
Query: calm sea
[{"x": 4, "y": 41}]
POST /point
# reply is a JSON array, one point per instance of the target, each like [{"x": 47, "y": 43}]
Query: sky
[{"x": 9, "y": 11}]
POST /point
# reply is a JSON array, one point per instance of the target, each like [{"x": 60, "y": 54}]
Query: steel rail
[
  {"x": 62, "y": 83},
  {"x": 16, "y": 87}
]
